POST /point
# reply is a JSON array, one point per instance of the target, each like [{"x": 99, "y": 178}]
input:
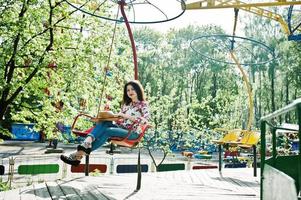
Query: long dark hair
[{"x": 137, "y": 87}]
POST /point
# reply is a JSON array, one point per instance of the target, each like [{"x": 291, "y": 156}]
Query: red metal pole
[{"x": 121, "y": 4}]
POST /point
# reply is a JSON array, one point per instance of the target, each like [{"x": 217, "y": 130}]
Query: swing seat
[
  {"x": 244, "y": 139},
  {"x": 82, "y": 133},
  {"x": 125, "y": 142},
  {"x": 230, "y": 136},
  {"x": 114, "y": 140},
  {"x": 79, "y": 132},
  {"x": 248, "y": 140},
  {"x": 102, "y": 116}
]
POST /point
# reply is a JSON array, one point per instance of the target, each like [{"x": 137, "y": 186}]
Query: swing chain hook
[{"x": 234, "y": 28}]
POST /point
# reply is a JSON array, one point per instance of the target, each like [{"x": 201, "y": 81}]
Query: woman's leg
[
  {"x": 95, "y": 133},
  {"x": 85, "y": 147},
  {"x": 101, "y": 133},
  {"x": 112, "y": 132},
  {"x": 98, "y": 131}
]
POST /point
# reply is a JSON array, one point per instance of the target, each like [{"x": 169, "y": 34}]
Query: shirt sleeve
[
  {"x": 123, "y": 110},
  {"x": 121, "y": 120},
  {"x": 145, "y": 114}
]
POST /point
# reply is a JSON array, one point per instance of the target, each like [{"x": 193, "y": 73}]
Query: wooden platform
[{"x": 233, "y": 184}]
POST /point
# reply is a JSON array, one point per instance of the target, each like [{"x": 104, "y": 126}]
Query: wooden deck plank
[
  {"x": 27, "y": 193},
  {"x": 85, "y": 190},
  {"x": 228, "y": 183},
  {"x": 70, "y": 189},
  {"x": 166, "y": 190},
  {"x": 243, "y": 185},
  {"x": 41, "y": 192},
  {"x": 55, "y": 191},
  {"x": 178, "y": 185},
  {"x": 251, "y": 184},
  {"x": 207, "y": 177},
  {"x": 218, "y": 181},
  {"x": 203, "y": 177},
  {"x": 91, "y": 187},
  {"x": 244, "y": 177},
  {"x": 11, "y": 194},
  {"x": 186, "y": 191},
  {"x": 94, "y": 191}
]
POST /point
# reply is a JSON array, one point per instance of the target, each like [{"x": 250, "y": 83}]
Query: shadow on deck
[{"x": 234, "y": 184}]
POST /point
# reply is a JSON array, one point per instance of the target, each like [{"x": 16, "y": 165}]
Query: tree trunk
[
  {"x": 281, "y": 101},
  {"x": 287, "y": 115},
  {"x": 2, "y": 110},
  {"x": 214, "y": 86},
  {"x": 272, "y": 88},
  {"x": 256, "y": 109}
]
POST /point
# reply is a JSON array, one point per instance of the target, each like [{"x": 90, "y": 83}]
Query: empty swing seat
[
  {"x": 231, "y": 136},
  {"x": 248, "y": 140}
]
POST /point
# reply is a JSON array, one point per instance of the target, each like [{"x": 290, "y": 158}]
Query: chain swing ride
[{"x": 93, "y": 8}]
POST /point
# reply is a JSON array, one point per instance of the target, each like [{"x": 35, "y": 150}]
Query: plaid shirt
[{"x": 139, "y": 110}]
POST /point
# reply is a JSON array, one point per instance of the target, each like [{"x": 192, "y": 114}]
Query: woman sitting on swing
[{"x": 134, "y": 111}]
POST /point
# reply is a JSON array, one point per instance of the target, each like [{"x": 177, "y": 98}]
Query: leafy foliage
[{"x": 52, "y": 58}]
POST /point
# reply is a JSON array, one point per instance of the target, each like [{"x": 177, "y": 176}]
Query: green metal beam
[{"x": 283, "y": 110}]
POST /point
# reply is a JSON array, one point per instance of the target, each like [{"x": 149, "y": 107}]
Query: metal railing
[{"x": 268, "y": 120}]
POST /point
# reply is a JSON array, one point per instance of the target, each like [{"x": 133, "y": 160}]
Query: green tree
[{"x": 57, "y": 57}]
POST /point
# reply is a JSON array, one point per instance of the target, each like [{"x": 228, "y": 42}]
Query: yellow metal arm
[
  {"x": 254, "y": 8},
  {"x": 214, "y": 4},
  {"x": 268, "y": 14},
  {"x": 249, "y": 90}
]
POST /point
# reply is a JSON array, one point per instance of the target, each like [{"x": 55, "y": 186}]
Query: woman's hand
[
  {"x": 95, "y": 120},
  {"x": 121, "y": 115}
]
